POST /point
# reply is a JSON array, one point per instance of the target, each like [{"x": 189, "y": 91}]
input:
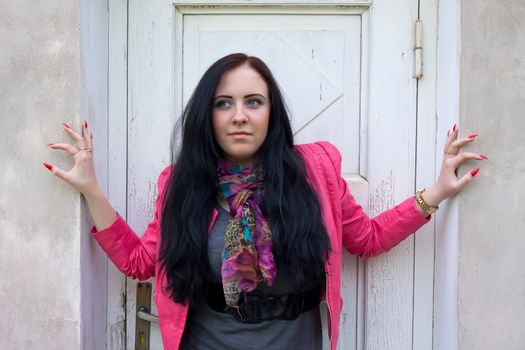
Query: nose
[{"x": 239, "y": 118}]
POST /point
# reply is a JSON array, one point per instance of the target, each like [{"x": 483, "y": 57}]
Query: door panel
[{"x": 315, "y": 60}]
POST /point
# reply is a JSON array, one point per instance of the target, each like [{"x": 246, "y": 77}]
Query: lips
[{"x": 240, "y": 133}]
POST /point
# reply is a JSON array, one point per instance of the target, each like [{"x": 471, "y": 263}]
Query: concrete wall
[
  {"x": 491, "y": 281},
  {"x": 40, "y": 292}
]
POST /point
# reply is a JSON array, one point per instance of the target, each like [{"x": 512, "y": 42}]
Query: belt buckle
[
  {"x": 256, "y": 307},
  {"x": 247, "y": 307}
]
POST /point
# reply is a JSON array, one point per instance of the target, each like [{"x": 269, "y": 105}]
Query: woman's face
[{"x": 241, "y": 113}]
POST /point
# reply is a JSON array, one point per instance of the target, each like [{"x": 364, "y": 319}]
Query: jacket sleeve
[
  {"x": 132, "y": 255},
  {"x": 368, "y": 237}
]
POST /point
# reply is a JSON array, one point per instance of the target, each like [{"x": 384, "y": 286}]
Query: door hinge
[{"x": 418, "y": 50}]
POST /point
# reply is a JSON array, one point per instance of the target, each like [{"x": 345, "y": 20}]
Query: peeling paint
[
  {"x": 117, "y": 336},
  {"x": 123, "y": 301},
  {"x": 382, "y": 198}
]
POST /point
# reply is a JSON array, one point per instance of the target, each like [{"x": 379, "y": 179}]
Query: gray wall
[
  {"x": 491, "y": 281},
  {"x": 40, "y": 292}
]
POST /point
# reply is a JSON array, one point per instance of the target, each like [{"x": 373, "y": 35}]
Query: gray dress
[{"x": 209, "y": 329}]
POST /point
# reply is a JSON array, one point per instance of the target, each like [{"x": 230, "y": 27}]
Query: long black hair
[{"x": 299, "y": 238}]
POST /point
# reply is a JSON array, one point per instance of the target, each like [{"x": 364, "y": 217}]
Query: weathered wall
[
  {"x": 40, "y": 293},
  {"x": 491, "y": 281}
]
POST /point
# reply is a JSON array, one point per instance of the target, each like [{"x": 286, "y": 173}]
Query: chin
[{"x": 240, "y": 157}]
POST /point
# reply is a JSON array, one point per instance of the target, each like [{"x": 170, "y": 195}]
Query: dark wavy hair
[{"x": 300, "y": 240}]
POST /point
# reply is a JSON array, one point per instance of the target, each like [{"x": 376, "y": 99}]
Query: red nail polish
[
  {"x": 474, "y": 172},
  {"x": 484, "y": 157},
  {"x": 85, "y": 123},
  {"x": 67, "y": 126},
  {"x": 91, "y": 135},
  {"x": 454, "y": 129},
  {"x": 472, "y": 136},
  {"x": 50, "y": 144},
  {"x": 49, "y": 166}
]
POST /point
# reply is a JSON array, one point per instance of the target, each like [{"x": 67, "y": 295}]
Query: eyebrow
[{"x": 244, "y": 96}]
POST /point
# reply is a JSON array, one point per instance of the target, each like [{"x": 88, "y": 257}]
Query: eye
[
  {"x": 258, "y": 102},
  {"x": 220, "y": 103}
]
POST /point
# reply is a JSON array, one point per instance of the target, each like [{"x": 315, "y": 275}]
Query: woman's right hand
[{"x": 82, "y": 175}]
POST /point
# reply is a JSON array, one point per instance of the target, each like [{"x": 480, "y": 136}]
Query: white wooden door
[{"x": 346, "y": 71}]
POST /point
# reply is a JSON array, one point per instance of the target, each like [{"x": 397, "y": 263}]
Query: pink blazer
[{"x": 347, "y": 224}]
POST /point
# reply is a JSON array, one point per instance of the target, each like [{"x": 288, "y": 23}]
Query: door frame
[{"x": 108, "y": 119}]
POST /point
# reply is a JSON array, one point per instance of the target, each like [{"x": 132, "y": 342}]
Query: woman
[{"x": 248, "y": 229}]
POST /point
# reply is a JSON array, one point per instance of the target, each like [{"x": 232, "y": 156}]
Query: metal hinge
[{"x": 418, "y": 51}]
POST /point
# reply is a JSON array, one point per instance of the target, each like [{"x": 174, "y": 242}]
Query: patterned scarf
[{"x": 247, "y": 257}]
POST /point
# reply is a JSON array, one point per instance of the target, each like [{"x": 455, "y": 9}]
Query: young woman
[{"x": 248, "y": 229}]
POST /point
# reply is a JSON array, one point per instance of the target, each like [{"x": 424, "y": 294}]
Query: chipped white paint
[
  {"x": 150, "y": 119},
  {"x": 391, "y": 151},
  {"x": 447, "y": 222},
  {"x": 117, "y": 167},
  {"x": 93, "y": 104},
  {"x": 275, "y": 2},
  {"x": 352, "y": 325},
  {"x": 325, "y": 9},
  {"x": 382, "y": 198},
  {"x": 427, "y": 168}
]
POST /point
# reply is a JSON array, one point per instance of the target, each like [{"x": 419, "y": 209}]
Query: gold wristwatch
[{"x": 427, "y": 208}]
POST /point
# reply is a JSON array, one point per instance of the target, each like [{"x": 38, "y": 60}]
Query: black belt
[{"x": 255, "y": 307}]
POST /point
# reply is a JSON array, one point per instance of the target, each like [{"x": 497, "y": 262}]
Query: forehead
[{"x": 241, "y": 80}]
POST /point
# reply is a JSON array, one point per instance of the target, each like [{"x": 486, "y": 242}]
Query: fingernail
[
  {"x": 85, "y": 123},
  {"x": 474, "y": 172},
  {"x": 448, "y": 132},
  {"x": 484, "y": 157},
  {"x": 48, "y": 166},
  {"x": 472, "y": 136},
  {"x": 91, "y": 135},
  {"x": 50, "y": 144},
  {"x": 454, "y": 129},
  {"x": 67, "y": 126}
]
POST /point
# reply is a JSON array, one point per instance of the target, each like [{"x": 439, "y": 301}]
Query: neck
[{"x": 223, "y": 202}]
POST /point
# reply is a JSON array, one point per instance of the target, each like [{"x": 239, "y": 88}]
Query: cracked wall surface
[
  {"x": 491, "y": 281},
  {"x": 39, "y": 215}
]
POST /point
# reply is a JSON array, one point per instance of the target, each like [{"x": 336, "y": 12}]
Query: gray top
[{"x": 209, "y": 329}]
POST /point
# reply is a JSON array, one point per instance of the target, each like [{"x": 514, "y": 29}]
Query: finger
[
  {"x": 74, "y": 135},
  {"x": 451, "y": 137},
  {"x": 454, "y": 146},
  {"x": 70, "y": 149},
  {"x": 463, "y": 141},
  {"x": 57, "y": 171},
  {"x": 85, "y": 134},
  {"x": 467, "y": 178},
  {"x": 456, "y": 161}
]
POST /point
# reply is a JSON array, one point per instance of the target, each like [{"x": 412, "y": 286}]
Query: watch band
[{"x": 427, "y": 208}]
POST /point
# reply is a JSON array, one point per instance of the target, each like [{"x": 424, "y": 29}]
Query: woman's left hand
[{"x": 448, "y": 183}]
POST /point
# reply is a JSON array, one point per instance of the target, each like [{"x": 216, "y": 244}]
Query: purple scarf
[{"x": 247, "y": 257}]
